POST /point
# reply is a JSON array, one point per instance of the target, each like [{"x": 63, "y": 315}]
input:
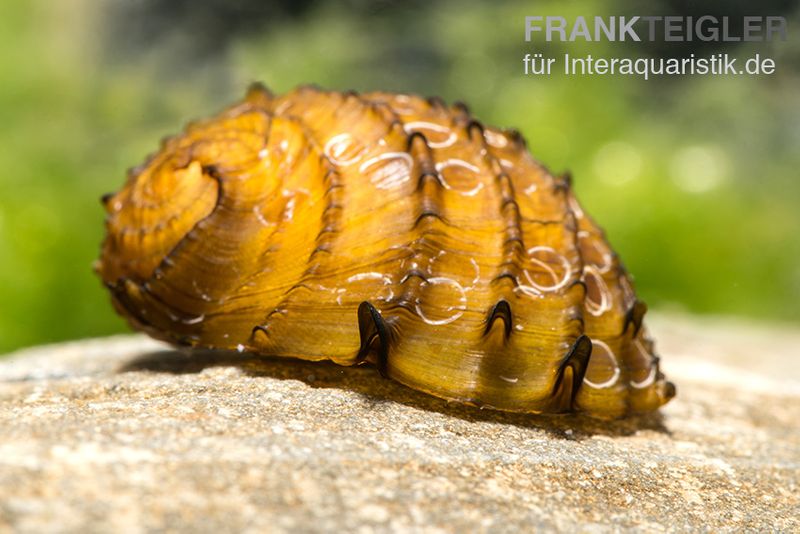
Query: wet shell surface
[{"x": 382, "y": 228}]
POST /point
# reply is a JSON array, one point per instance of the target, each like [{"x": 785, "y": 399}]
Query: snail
[{"x": 381, "y": 228}]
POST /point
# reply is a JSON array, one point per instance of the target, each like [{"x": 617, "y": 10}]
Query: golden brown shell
[{"x": 384, "y": 228}]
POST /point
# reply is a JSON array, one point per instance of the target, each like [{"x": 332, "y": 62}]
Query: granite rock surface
[{"x": 125, "y": 434}]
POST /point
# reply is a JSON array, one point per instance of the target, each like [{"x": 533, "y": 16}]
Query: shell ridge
[
  {"x": 429, "y": 192},
  {"x": 312, "y": 146},
  {"x": 505, "y": 278},
  {"x": 429, "y": 233},
  {"x": 243, "y": 236},
  {"x": 511, "y": 270},
  {"x": 334, "y": 257},
  {"x": 513, "y": 243},
  {"x": 331, "y": 220},
  {"x": 607, "y": 382}
]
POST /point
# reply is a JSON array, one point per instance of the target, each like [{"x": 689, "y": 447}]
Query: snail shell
[{"x": 385, "y": 228}]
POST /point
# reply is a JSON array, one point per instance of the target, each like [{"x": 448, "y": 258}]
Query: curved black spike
[
  {"x": 578, "y": 359},
  {"x": 212, "y": 171},
  {"x": 370, "y": 326},
  {"x": 461, "y": 107},
  {"x": 427, "y": 176},
  {"x": 516, "y": 137},
  {"x": 417, "y": 145},
  {"x": 106, "y": 198},
  {"x": 164, "y": 141},
  {"x": 563, "y": 183},
  {"x": 635, "y": 316},
  {"x": 507, "y": 275},
  {"x": 474, "y": 125},
  {"x": 132, "y": 172},
  {"x": 502, "y": 311},
  {"x": 429, "y": 214},
  {"x": 258, "y": 87},
  {"x": 258, "y": 328},
  {"x": 413, "y": 135},
  {"x": 669, "y": 390},
  {"x": 436, "y": 101}
]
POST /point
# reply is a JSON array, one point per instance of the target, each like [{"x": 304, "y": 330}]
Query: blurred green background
[{"x": 694, "y": 178}]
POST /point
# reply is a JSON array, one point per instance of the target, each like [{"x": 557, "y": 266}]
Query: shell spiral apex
[{"x": 385, "y": 228}]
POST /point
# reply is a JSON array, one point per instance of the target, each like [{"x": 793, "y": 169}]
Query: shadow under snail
[{"x": 383, "y": 228}]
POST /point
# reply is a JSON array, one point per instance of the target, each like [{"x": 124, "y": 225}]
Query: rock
[{"x": 124, "y": 434}]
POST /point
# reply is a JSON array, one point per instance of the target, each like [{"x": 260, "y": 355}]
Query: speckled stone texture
[{"x": 125, "y": 435}]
